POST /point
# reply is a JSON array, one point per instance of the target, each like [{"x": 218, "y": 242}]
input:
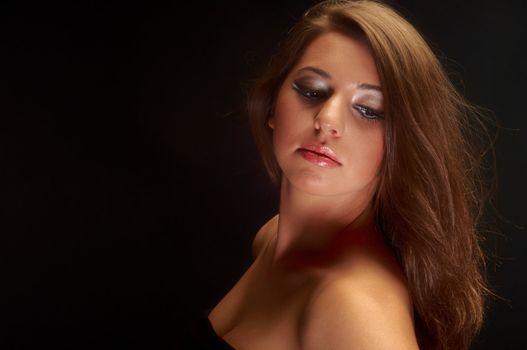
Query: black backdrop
[{"x": 131, "y": 189}]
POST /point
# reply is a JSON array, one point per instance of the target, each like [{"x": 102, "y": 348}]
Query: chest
[{"x": 264, "y": 310}]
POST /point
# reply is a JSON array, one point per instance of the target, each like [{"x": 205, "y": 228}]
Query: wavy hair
[{"x": 429, "y": 201}]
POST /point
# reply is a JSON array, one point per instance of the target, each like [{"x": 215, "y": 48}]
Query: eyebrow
[
  {"x": 366, "y": 86},
  {"x": 363, "y": 86}
]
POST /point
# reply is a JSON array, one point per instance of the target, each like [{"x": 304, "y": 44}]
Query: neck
[{"x": 313, "y": 228}]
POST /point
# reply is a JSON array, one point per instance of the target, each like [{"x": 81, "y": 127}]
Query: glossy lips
[{"x": 319, "y": 155}]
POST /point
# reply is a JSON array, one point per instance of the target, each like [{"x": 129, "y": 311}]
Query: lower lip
[{"x": 318, "y": 159}]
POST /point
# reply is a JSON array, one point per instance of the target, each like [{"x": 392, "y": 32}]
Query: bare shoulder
[
  {"x": 263, "y": 235},
  {"x": 368, "y": 309}
]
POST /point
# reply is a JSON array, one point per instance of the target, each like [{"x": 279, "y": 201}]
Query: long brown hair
[{"x": 429, "y": 200}]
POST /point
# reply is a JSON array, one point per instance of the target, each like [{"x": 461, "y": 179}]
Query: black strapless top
[{"x": 202, "y": 336}]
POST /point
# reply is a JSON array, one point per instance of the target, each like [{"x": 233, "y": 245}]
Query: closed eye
[
  {"x": 310, "y": 94},
  {"x": 369, "y": 113}
]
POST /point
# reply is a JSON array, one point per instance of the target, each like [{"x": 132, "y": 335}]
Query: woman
[{"x": 375, "y": 243}]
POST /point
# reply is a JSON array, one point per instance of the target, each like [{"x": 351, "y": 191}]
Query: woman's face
[{"x": 330, "y": 103}]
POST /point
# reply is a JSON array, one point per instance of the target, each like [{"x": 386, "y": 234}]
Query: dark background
[{"x": 131, "y": 188}]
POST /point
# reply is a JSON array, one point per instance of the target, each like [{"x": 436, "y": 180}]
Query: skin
[
  {"x": 323, "y": 278},
  {"x": 318, "y": 202}
]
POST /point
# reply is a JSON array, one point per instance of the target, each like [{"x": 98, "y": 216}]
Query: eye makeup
[
  {"x": 369, "y": 103},
  {"x": 367, "y": 100},
  {"x": 311, "y": 90}
]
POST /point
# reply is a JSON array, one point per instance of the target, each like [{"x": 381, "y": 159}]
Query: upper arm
[
  {"x": 263, "y": 235},
  {"x": 343, "y": 316}
]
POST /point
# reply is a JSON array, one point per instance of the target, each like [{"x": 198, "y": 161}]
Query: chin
[{"x": 314, "y": 185}]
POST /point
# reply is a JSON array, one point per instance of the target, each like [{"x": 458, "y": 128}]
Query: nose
[{"x": 330, "y": 117}]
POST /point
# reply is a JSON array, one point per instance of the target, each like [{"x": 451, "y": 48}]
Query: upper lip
[{"x": 320, "y": 149}]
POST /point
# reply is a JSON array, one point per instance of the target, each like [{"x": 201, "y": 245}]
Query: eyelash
[
  {"x": 373, "y": 114},
  {"x": 306, "y": 92},
  {"x": 368, "y": 113}
]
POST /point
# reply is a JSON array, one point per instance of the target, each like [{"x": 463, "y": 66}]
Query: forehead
[{"x": 344, "y": 58}]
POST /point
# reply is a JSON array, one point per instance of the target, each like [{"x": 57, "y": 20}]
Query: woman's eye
[
  {"x": 309, "y": 93},
  {"x": 369, "y": 113}
]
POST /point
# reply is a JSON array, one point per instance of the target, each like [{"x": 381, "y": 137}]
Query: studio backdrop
[{"x": 131, "y": 186}]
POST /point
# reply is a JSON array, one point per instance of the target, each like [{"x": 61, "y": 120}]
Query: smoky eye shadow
[
  {"x": 371, "y": 103},
  {"x": 372, "y": 99},
  {"x": 311, "y": 83}
]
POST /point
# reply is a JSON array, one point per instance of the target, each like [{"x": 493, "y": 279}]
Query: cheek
[
  {"x": 289, "y": 121},
  {"x": 369, "y": 151}
]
